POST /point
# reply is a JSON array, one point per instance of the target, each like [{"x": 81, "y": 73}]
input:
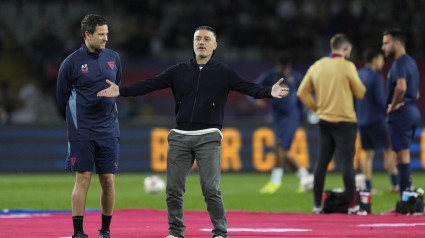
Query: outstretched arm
[
  {"x": 112, "y": 91},
  {"x": 278, "y": 91}
]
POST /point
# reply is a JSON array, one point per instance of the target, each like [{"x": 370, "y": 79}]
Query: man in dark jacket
[{"x": 200, "y": 87}]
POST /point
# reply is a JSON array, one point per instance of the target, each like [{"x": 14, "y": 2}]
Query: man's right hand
[{"x": 111, "y": 92}]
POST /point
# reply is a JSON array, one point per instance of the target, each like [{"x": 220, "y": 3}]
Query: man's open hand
[
  {"x": 278, "y": 91},
  {"x": 111, "y": 92}
]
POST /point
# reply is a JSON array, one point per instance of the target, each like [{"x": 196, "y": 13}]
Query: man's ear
[
  {"x": 397, "y": 43},
  {"x": 86, "y": 34}
]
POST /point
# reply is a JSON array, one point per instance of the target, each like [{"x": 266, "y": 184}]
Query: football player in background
[
  {"x": 403, "y": 113},
  {"x": 287, "y": 114},
  {"x": 371, "y": 119}
]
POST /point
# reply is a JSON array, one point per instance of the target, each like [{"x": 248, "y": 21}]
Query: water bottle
[
  {"x": 405, "y": 195},
  {"x": 365, "y": 197}
]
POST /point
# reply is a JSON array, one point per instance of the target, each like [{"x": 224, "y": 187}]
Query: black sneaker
[
  {"x": 104, "y": 234},
  {"x": 80, "y": 235}
]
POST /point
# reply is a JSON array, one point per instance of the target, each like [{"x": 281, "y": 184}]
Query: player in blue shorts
[
  {"x": 403, "y": 113},
  {"x": 92, "y": 122},
  {"x": 287, "y": 114},
  {"x": 371, "y": 119}
]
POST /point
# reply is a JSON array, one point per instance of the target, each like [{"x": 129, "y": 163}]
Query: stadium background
[{"x": 35, "y": 36}]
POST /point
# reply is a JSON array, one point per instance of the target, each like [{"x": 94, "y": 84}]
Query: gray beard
[{"x": 202, "y": 56}]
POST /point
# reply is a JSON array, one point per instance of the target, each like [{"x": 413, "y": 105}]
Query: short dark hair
[
  {"x": 89, "y": 23},
  {"x": 397, "y": 34},
  {"x": 369, "y": 54},
  {"x": 338, "y": 40},
  {"x": 283, "y": 59},
  {"x": 208, "y": 28}
]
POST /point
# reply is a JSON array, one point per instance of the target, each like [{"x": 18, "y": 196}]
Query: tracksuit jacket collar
[
  {"x": 193, "y": 60},
  {"x": 91, "y": 54}
]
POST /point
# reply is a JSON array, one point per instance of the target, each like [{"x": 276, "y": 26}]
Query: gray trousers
[{"x": 182, "y": 151}]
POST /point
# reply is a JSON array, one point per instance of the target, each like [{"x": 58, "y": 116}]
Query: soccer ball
[
  {"x": 361, "y": 181},
  {"x": 154, "y": 184},
  {"x": 307, "y": 183}
]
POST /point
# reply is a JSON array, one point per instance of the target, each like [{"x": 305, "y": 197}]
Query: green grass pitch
[{"x": 240, "y": 192}]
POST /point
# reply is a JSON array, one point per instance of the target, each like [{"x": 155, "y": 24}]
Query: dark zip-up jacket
[{"x": 200, "y": 94}]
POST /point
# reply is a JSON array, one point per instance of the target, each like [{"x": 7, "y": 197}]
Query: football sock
[
  {"x": 404, "y": 175},
  {"x": 302, "y": 173},
  {"x": 106, "y": 222},
  {"x": 78, "y": 224},
  {"x": 394, "y": 179},
  {"x": 276, "y": 176},
  {"x": 368, "y": 184}
]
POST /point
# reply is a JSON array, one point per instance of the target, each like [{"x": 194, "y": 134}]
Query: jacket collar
[
  {"x": 94, "y": 54},
  {"x": 336, "y": 55},
  {"x": 193, "y": 60}
]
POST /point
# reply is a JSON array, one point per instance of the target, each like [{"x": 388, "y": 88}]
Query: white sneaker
[
  {"x": 317, "y": 210},
  {"x": 356, "y": 211},
  {"x": 171, "y": 236},
  {"x": 394, "y": 188},
  {"x": 218, "y": 237}
]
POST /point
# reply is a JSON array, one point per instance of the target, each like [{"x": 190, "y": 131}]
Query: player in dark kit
[
  {"x": 287, "y": 114},
  {"x": 371, "y": 119},
  {"x": 403, "y": 113},
  {"x": 92, "y": 122},
  {"x": 200, "y": 87}
]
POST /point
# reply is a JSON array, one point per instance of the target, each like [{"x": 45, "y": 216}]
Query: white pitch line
[
  {"x": 22, "y": 215},
  {"x": 263, "y": 230},
  {"x": 391, "y": 224}
]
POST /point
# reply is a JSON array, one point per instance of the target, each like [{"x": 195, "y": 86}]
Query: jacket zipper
[{"x": 196, "y": 95}]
